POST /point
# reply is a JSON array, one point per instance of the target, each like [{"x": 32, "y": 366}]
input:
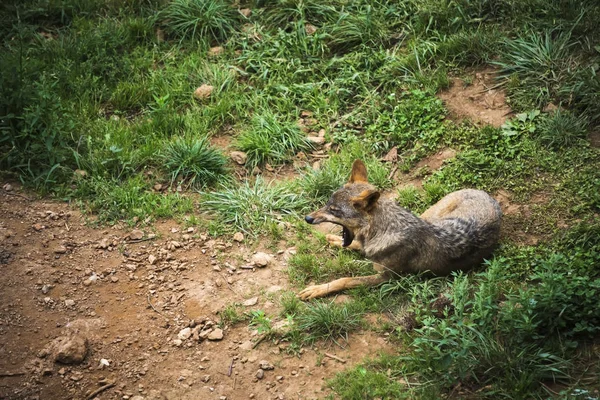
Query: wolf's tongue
[{"x": 347, "y": 237}]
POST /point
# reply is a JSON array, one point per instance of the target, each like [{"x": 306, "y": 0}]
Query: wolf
[{"x": 456, "y": 233}]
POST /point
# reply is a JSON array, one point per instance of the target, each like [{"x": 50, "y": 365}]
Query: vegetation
[{"x": 97, "y": 107}]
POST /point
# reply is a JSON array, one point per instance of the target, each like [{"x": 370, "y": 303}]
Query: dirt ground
[{"x": 132, "y": 299}]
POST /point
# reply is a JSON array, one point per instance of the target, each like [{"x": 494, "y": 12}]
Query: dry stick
[
  {"x": 391, "y": 175},
  {"x": 140, "y": 240},
  {"x": 234, "y": 381},
  {"x": 336, "y": 358},
  {"x": 16, "y": 194},
  {"x": 8, "y": 374},
  {"x": 100, "y": 390},
  {"x": 259, "y": 340},
  {"x": 158, "y": 312},
  {"x": 230, "y": 368}
]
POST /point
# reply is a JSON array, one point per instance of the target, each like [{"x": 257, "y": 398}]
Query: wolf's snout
[{"x": 309, "y": 219}]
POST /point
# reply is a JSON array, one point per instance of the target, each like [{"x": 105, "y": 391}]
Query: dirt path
[{"x": 132, "y": 299}]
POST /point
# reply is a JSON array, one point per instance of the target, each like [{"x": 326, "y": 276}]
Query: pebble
[
  {"x": 152, "y": 259},
  {"x": 185, "y": 333},
  {"x": 203, "y": 92},
  {"x": 216, "y": 334},
  {"x": 46, "y": 289},
  {"x": 114, "y": 279},
  {"x": 260, "y": 374},
  {"x": 69, "y": 303},
  {"x": 261, "y": 259},
  {"x": 60, "y": 250},
  {"x": 239, "y": 157},
  {"x": 263, "y": 364},
  {"x": 238, "y": 237},
  {"x": 70, "y": 349},
  {"x": 251, "y": 302},
  {"x": 136, "y": 234}
]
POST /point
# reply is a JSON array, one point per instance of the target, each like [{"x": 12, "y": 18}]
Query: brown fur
[{"x": 456, "y": 233}]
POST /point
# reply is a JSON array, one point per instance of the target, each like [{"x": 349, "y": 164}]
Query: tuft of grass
[
  {"x": 328, "y": 320},
  {"x": 213, "y": 20},
  {"x": 562, "y": 129},
  {"x": 250, "y": 207},
  {"x": 193, "y": 161},
  {"x": 271, "y": 140}
]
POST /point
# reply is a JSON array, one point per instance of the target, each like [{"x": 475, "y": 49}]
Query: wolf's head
[{"x": 350, "y": 205}]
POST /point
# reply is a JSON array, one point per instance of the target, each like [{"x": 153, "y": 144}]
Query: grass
[{"x": 97, "y": 107}]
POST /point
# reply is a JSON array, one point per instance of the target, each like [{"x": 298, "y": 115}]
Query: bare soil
[
  {"x": 131, "y": 298},
  {"x": 480, "y": 100}
]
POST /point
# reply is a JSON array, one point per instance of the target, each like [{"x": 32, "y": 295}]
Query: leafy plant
[{"x": 562, "y": 129}]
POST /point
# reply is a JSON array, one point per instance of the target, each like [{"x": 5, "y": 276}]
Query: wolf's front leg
[
  {"x": 315, "y": 291},
  {"x": 336, "y": 241}
]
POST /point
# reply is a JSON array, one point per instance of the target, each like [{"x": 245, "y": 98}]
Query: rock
[
  {"x": 274, "y": 289},
  {"x": 38, "y": 227},
  {"x": 260, "y": 374},
  {"x": 310, "y": 29},
  {"x": 60, "y": 250},
  {"x": 392, "y": 155},
  {"x": 46, "y": 289},
  {"x": 152, "y": 259},
  {"x": 177, "y": 342},
  {"x": 215, "y": 51},
  {"x": 104, "y": 243},
  {"x": 251, "y": 302},
  {"x": 246, "y": 12},
  {"x": 316, "y": 140},
  {"x": 69, "y": 303},
  {"x": 70, "y": 349},
  {"x": 261, "y": 259},
  {"x": 138, "y": 397},
  {"x": 114, "y": 279},
  {"x": 267, "y": 366},
  {"x": 239, "y": 157},
  {"x": 185, "y": 333},
  {"x": 136, "y": 234},
  {"x": 216, "y": 334},
  {"x": 238, "y": 237},
  {"x": 203, "y": 92},
  {"x": 158, "y": 187},
  {"x": 7, "y": 186},
  {"x": 206, "y": 378},
  {"x": 247, "y": 345}
]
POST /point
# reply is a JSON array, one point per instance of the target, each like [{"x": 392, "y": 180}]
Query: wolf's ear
[
  {"x": 359, "y": 172},
  {"x": 365, "y": 200}
]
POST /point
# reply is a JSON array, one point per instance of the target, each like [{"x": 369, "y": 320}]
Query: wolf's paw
[
  {"x": 313, "y": 292},
  {"x": 334, "y": 240}
]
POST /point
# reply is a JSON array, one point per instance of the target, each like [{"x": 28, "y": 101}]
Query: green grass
[{"x": 97, "y": 107}]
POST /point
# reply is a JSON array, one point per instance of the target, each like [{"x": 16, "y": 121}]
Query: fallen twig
[
  {"x": 16, "y": 194},
  {"x": 140, "y": 240},
  {"x": 335, "y": 358},
  {"x": 259, "y": 340},
  {"x": 100, "y": 390},
  {"x": 8, "y": 374},
  {"x": 230, "y": 368},
  {"x": 393, "y": 171},
  {"x": 158, "y": 312}
]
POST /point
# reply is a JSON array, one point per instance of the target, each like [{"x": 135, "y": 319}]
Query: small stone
[
  {"x": 216, "y": 334},
  {"x": 185, "y": 333},
  {"x": 279, "y": 378},
  {"x": 69, "y": 303},
  {"x": 316, "y": 140},
  {"x": 152, "y": 259},
  {"x": 114, "y": 279},
  {"x": 7, "y": 186},
  {"x": 260, "y": 374},
  {"x": 46, "y": 289},
  {"x": 238, "y": 237},
  {"x": 38, "y": 227},
  {"x": 310, "y": 29},
  {"x": 136, "y": 234},
  {"x": 216, "y": 51},
  {"x": 177, "y": 342},
  {"x": 60, "y": 250},
  {"x": 246, "y": 12},
  {"x": 267, "y": 366},
  {"x": 70, "y": 350},
  {"x": 158, "y": 187},
  {"x": 261, "y": 259},
  {"x": 203, "y": 92},
  {"x": 206, "y": 378},
  {"x": 251, "y": 302},
  {"x": 239, "y": 157},
  {"x": 104, "y": 243}
]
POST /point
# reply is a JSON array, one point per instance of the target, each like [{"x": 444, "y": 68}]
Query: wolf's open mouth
[{"x": 347, "y": 236}]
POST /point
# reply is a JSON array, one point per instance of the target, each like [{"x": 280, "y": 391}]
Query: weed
[
  {"x": 232, "y": 314},
  {"x": 562, "y": 129},
  {"x": 194, "y": 161},
  {"x": 199, "y": 19},
  {"x": 270, "y": 140},
  {"x": 328, "y": 320},
  {"x": 250, "y": 206},
  {"x": 260, "y": 321}
]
